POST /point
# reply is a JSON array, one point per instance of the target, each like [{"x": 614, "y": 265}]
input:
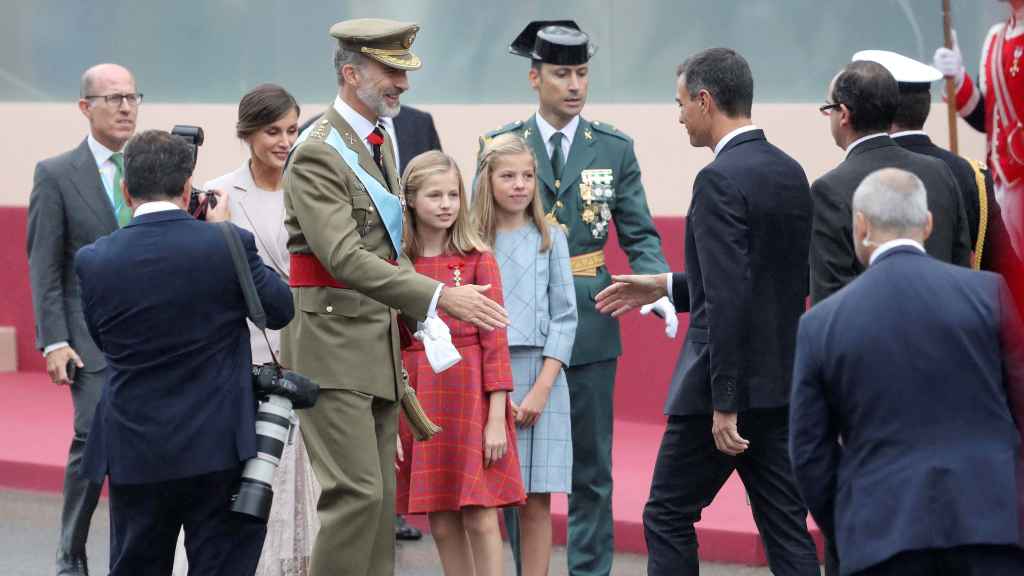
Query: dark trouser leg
[
  {"x": 80, "y": 495},
  {"x": 354, "y": 469},
  {"x": 981, "y": 560},
  {"x": 591, "y": 543},
  {"x": 912, "y": 563},
  {"x": 217, "y": 540},
  {"x": 768, "y": 478},
  {"x": 688, "y": 474},
  {"x": 512, "y": 528},
  {"x": 144, "y": 524}
]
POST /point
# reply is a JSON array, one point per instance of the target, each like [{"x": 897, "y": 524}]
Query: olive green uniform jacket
[{"x": 347, "y": 338}]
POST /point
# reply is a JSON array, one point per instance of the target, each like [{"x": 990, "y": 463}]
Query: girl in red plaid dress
[{"x": 461, "y": 476}]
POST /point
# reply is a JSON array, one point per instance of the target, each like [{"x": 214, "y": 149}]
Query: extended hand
[
  {"x": 726, "y": 433},
  {"x": 495, "y": 441},
  {"x": 57, "y": 364},
  {"x": 399, "y": 453},
  {"x": 469, "y": 304},
  {"x": 630, "y": 291}
]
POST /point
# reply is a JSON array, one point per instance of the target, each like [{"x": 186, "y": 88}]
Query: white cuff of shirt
[
  {"x": 432, "y": 311},
  {"x": 668, "y": 286},
  {"x": 55, "y": 346}
]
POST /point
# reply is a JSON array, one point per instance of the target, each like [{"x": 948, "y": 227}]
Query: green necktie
[
  {"x": 121, "y": 210},
  {"x": 557, "y": 161}
]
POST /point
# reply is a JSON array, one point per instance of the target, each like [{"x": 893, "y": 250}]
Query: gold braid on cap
[{"x": 384, "y": 51}]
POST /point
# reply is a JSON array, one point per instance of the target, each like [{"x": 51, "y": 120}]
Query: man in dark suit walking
[
  {"x": 908, "y": 365},
  {"x": 177, "y": 416},
  {"x": 862, "y": 102},
  {"x": 745, "y": 284},
  {"x": 75, "y": 200}
]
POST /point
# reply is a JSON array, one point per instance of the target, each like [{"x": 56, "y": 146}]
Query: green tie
[
  {"x": 121, "y": 210},
  {"x": 556, "y": 155}
]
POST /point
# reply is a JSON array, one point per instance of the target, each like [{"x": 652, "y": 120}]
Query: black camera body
[
  {"x": 280, "y": 393},
  {"x": 199, "y": 201}
]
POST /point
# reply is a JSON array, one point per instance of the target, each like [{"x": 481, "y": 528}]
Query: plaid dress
[{"x": 446, "y": 473}]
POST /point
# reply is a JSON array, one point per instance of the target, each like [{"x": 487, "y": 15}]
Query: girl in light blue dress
[{"x": 533, "y": 257}]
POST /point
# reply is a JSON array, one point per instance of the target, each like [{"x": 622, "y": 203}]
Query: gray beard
[{"x": 375, "y": 101}]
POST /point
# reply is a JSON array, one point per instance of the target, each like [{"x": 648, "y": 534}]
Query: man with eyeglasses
[
  {"x": 76, "y": 198},
  {"x": 861, "y": 104}
]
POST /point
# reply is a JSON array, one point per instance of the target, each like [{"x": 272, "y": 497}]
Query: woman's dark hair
[{"x": 262, "y": 106}]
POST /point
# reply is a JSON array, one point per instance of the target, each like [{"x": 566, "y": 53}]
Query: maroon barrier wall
[
  {"x": 15, "y": 296},
  {"x": 644, "y": 369}
]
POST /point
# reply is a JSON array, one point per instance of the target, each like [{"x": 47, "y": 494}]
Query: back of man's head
[
  {"x": 913, "y": 110},
  {"x": 725, "y": 75},
  {"x": 157, "y": 165},
  {"x": 894, "y": 202},
  {"x": 870, "y": 93}
]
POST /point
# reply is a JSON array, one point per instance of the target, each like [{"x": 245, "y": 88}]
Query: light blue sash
[{"x": 388, "y": 205}]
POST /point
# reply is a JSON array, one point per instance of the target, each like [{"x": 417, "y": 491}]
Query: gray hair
[
  {"x": 343, "y": 56},
  {"x": 893, "y": 201}
]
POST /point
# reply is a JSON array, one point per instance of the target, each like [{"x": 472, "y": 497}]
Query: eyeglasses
[
  {"x": 827, "y": 109},
  {"x": 116, "y": 100}
]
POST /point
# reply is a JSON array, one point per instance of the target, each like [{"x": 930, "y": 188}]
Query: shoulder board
[
  {"x": 321, "y": 129},
  {"x": 610, "y": 130},
  {"x": 510, "y": 127}
]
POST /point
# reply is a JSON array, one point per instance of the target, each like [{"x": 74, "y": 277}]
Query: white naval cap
[{"x": 911, "y": 75}]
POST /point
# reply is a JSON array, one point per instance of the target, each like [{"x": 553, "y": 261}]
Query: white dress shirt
[
  {"x": 886, "y": 246},
  {"x": 547, "y": 131},
  {"x": 728, "y": 137},
  {"x": 908, "y": 133},
  {"x": 861, "y": 140},
  {"x": 105, "y": 165},
  {"x": 389, "y": 127}
]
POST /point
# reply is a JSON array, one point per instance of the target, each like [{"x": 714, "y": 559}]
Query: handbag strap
[{"x": 252, "y": 298}]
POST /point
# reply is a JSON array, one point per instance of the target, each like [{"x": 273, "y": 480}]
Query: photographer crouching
[{"x": 177, "y": 419}]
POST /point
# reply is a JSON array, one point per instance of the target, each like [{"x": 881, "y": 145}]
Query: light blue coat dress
[{"x": 541, "y": 304}]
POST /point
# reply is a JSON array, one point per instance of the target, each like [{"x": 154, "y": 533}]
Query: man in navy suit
[
  {"x": 906, "y": 365},
  {"x": 177, "y": 417},
  {"x": 746, "y": 280}
]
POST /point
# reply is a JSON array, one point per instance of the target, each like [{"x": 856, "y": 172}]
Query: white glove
[
  {"x": 663, "y": 307},
  {"x": 950, "y": 62},
  {"x": 437, "y": 342}
]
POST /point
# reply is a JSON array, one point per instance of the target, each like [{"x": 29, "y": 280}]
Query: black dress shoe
[
  {"x": 72, "y": 565},
  {"x": 405, "y": 532}
]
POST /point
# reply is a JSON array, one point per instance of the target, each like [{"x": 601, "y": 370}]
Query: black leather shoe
[
  {"x": 72, "y": 565},
  {"x": 405, "y": 532}
]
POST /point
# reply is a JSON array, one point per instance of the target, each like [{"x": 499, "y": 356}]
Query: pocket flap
[{"x": 329, "y": 301}]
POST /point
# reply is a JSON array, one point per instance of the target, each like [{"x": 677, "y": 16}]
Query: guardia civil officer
[{"x": 588, "y": 178}]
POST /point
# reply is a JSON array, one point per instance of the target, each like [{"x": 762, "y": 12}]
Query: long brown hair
[
  {"x": 503, "y": 145},
  {"x": 462, "y": 237}
]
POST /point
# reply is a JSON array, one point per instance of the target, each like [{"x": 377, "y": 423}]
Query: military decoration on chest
[{"x": 596, "y": 191}]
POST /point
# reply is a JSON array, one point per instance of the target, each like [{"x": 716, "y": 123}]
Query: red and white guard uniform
[{"x": 995, "y": 106}]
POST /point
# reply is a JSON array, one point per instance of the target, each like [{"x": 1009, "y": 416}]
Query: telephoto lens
[{"x": 282, "y": 392}]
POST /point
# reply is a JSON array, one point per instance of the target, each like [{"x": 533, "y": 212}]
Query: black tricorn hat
[{"x": 554, "y": 42}]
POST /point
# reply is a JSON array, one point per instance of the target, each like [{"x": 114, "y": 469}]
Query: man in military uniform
[
  {"x": 984, "y": 221},
  {"x": 344, "y": 216},
  {"x": 588, "y": 178}
]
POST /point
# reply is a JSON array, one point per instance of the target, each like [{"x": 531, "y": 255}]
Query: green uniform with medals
[{"x": 599, "y": 185}]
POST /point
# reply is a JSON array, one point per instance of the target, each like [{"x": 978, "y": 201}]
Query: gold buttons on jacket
[{"x": 330, "y": 308}]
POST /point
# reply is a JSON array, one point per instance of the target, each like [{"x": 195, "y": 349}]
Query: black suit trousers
[
  {"x": 145, "y": 520},
  {"x": 689, "y": 473}
]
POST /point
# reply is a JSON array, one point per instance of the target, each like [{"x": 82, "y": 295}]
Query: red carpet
[{"x": 37, "y": 423}]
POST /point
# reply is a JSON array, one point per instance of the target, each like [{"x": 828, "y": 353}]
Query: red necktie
[{"x": 376, "y": 139}]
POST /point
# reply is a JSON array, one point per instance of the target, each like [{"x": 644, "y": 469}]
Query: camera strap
[{"x": 252, "y": 298}]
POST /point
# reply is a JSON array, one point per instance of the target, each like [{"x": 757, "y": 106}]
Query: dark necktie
[
  {"x": 557, "y": 161},
  {"x": 376, "y": 140}
]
